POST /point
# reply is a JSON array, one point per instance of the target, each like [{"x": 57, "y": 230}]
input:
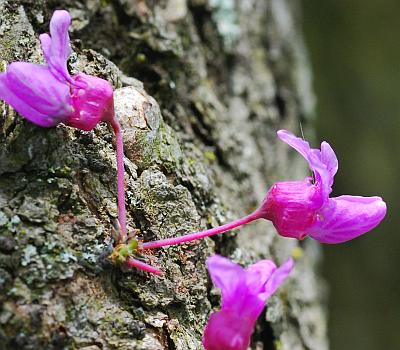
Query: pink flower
[
  {"x": 47, "y": 95},
  {"x": 303, "y": 208},
  {"x": 244, "y": 295}
]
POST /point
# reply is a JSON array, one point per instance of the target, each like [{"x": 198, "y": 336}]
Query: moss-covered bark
[{"x": 224, "y": 75}]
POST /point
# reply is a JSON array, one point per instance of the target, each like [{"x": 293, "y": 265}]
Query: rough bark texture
[{"x": 223, "y": 76}]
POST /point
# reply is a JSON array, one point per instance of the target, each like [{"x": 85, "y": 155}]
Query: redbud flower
[
  {"x": 244, "y": 295},
  {"x": 303, "y": 208},
  {"x": 48, "y": 95}
]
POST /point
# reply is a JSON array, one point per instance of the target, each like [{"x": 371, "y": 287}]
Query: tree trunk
[{"x": 223, "y": 76}]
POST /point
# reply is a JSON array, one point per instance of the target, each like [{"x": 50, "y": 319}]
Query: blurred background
[{"x": 355, "y": 52}]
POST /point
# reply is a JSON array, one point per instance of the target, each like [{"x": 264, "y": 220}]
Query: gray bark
[{"x": 223, "y": 76}]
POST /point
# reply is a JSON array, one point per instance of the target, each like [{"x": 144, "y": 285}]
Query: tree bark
[{"x": 201, "y": 88}]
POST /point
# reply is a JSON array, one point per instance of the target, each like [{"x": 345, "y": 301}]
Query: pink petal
[
  {"x": 226, "y": 275},
  {"x": 263, "y": 279},
  {"x": 56, "y": 47},
  {"x": 277, "y": 278},
  {"x": 328, "y": 157},
  {"x": 347, "y": 217},
  {"x": 45, "y": 42},
  {"x": 37, "y": 87},
  {"x": 34, "y": 93},
  {"x": 227, "y": 330},
  {"x": 258, "y": 274},
  {"x": 300, "y": 145},
  {"x": 323, "y": 162},
  {"x": 22, "y": 107}
]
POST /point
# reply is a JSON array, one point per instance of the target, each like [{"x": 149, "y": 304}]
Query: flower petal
[
  {"x": 45, "y": 42},
  {"x": 22, "y": 107},
  {"x": 328, "y": 157},
  {"x": 322, "y": 162},
  {"x": 35, "y": 93},
  {"x": 347, "y": 217},
  {"x": 258, "y": 274},
  {"x": 277, "y": 278},
  {"x": 300, "y": 145},
  {"x": 57, "y": 48},
  {"x": 226, "y": 275},
  {"x": 228, "y": 330}
]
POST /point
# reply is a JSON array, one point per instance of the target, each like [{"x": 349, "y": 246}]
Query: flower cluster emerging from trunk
[{"x": 48, "y": 95}]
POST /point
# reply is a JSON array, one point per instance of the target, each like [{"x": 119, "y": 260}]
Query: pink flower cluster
[{"x": 48, "y": 95}]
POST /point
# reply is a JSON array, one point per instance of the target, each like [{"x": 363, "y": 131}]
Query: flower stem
[
  {"x": 198, "y": 235},
  {"x": 143, "y": 266},
  {"x": 120, "y": 178}
]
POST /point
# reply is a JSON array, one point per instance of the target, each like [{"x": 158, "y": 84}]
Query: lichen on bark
[{"x": 200, "y": 90}]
